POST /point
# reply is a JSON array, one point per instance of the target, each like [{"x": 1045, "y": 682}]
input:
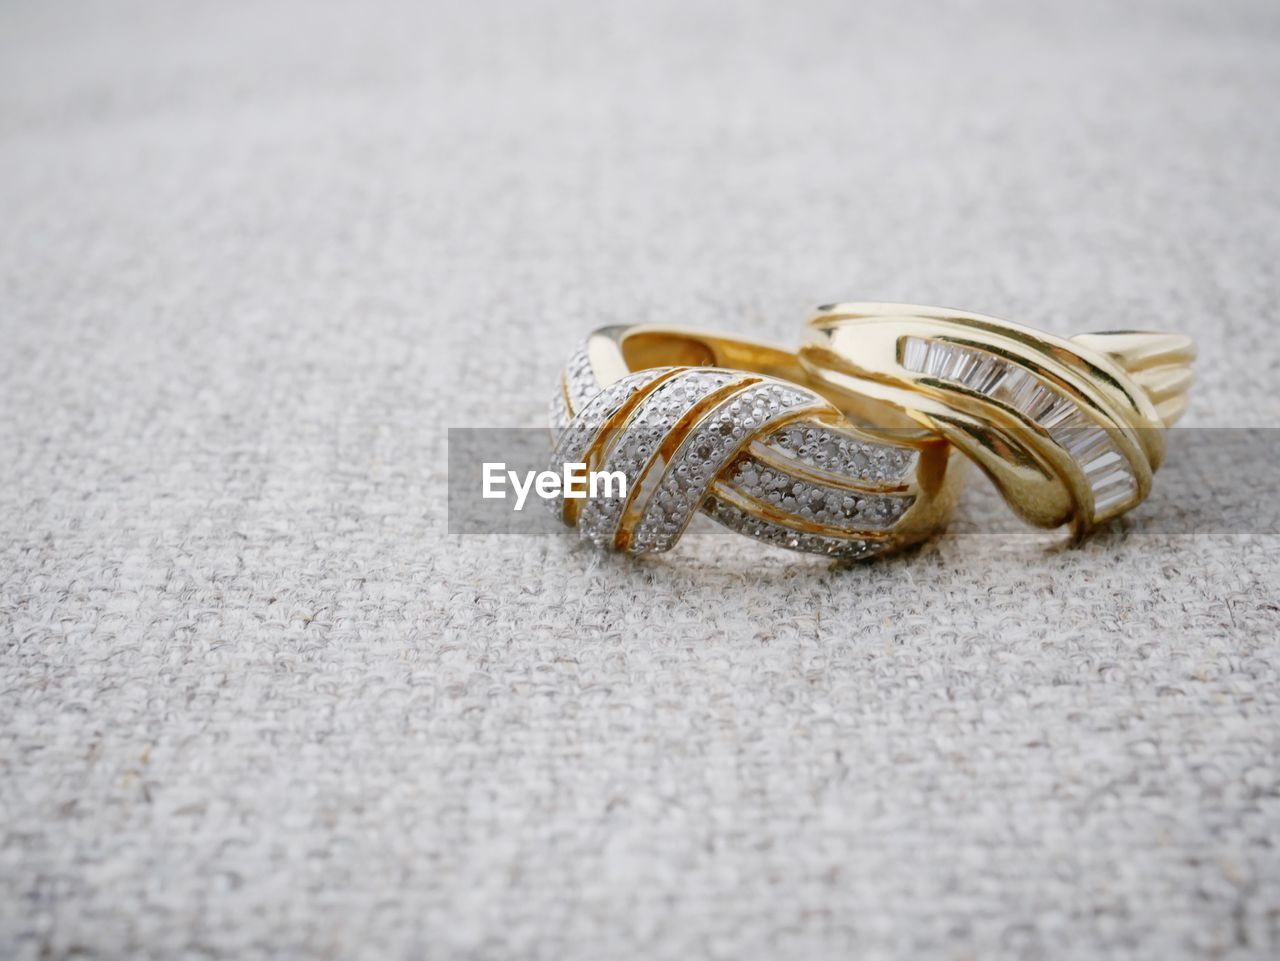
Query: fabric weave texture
[{"x": 256, "y": 700}]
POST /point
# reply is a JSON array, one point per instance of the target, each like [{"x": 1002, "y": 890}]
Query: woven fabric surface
[{"x": 256, "y": 700}]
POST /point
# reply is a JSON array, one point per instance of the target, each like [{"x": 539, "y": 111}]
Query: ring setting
[
  {"x": 766, "y": 456},
  {"x": 1071, "y": 430}
]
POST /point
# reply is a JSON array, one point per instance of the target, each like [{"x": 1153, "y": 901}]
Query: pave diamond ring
[
  {"x": 698, "y": 421},
  {"x": 1070, "y": 430}
]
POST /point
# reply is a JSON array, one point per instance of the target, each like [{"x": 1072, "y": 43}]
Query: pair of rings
[{"x": 857, "y": 444}]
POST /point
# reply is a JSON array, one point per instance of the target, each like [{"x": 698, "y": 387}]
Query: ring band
[
  {"x": 737, "y": 429},
  {"x": 1070, "y": 430}
]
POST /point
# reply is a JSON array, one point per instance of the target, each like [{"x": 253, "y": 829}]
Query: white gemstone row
[
  {"x": 640, "y": 439},
  {"x": 779, "y": 536},
  {"x": 580, "y": 379},
  {"x": 581, "y": 432},
  {"x": 827, "y": 449},
  {"x": 1104, "y": 465},
  {"x": 820, "y": 503},
  {"x": 704, "y": 451},
  {"x": 558, "y": 411}
]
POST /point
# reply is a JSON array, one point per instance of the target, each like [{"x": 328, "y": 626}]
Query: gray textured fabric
[{"x": 255, "y": 700}]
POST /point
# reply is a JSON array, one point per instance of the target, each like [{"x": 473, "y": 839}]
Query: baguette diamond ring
[{"x": 1070, "y": 430}]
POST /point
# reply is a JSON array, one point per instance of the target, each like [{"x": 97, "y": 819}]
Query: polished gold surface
[{"x": 1017, "y": 401}]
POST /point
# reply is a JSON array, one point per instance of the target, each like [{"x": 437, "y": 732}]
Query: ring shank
[{"x": 619, "y": 350}]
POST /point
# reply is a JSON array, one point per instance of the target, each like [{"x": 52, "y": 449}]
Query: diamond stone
[
  {"x": 580, "y": 379},
  {"x": 835, "y": 452},
  {"x": 821, "y": 503},
  {"x": 779, "y": 536},
  {"x": 707, "y": 447},
  {"x": 914, "y": 352},
  {"x": 1105, "y": 467},
  {"x": 577, "y": 438},
  {"x": 558, "y": 411},
  {"x": 637, "y": 443}
]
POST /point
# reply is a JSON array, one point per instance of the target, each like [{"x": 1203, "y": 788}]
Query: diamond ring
[
  {"x": 699, "y": 421},
  {"x": 1070, "y": 430}
]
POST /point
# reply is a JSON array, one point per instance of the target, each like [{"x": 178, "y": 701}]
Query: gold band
[
  {"x": 1070, "y": 430},
  {"x": 739, "y": 430}
]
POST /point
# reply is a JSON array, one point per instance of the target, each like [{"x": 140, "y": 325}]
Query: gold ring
[
  {"x": 1070, "y": 430},
  {"x": 700, "y": 421}
]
